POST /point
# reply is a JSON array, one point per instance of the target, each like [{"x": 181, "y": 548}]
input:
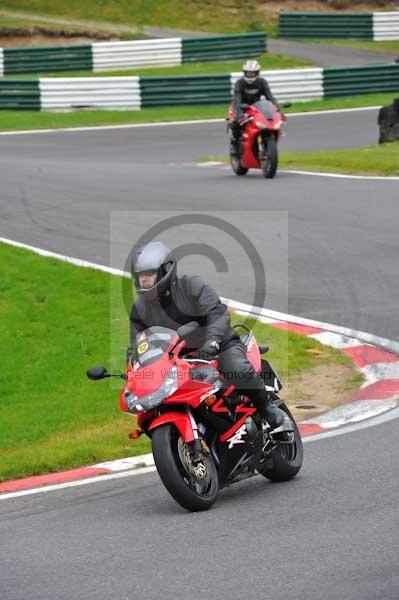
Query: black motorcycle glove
[{"x": 209, "y": 350}]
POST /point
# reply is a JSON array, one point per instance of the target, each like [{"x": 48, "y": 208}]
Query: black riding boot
[
  {"x": 235, "y": 133},
  {"x": 267, "y": 410}
]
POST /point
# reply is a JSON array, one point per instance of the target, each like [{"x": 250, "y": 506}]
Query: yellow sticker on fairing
[{"x": 142, "y": 348}]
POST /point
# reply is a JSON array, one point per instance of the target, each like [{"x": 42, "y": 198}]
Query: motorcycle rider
[
  {"x": 168, "y": 300},
  {"x": 247, "y": 89}
]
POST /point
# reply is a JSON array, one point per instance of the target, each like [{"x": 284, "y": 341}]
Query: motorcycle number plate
[{"x": 143, "y": 347}]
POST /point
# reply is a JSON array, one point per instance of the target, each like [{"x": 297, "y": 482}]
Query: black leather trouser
[
  {"x": 235, "y": 129},
  {"x": 237, "y": 370}
]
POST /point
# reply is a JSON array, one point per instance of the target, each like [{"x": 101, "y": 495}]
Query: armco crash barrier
[
  {"x": 129, "y": 55},
  {"x": 134, "y": 93},
  {"x": 326, "y": 25},
  {"x": 225, "y": 47},
  {"x": 386, "y": 26},
  {"x": 363, "y": 26},
  {"x": 198, "y": 89},
  {"x": 20, "y": 94},
  {"x": 108, "y": 56},
  {"x": 344, "y": 81},
  {"x": 47, "y": 59},
  {"x": 90, "y": 92}
]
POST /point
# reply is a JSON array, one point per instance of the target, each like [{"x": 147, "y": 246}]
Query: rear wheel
[
  {"x": 194, "y": 487},
  {"x": 269, "y": 159},
  {"x": 236, "y": 166},
  {"x": 287, "y": 456}
]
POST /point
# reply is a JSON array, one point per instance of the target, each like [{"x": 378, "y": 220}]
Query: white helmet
[{"x": 251, "y": 70}]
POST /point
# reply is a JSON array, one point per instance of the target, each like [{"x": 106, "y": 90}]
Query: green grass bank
[
  {"x": 17, "y": 120},
  {"x": 381, "y": 160}
]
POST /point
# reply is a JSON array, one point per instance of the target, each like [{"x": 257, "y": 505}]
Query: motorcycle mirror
[
  {"x": 287, "y": 104},
  {"x": 185, "y": 330},
  {"x": 263, "y": 348},
  {"x": 96, "y": 373},
  {"x": 244, "y": 106}
]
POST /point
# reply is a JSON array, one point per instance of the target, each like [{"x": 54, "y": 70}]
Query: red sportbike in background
[
  {"x": 204, "y": 434},
  {"x": 260, "y": 133}
]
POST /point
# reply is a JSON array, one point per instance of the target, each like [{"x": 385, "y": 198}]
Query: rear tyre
[
  {"x": 193, "y": 488},
  {"x": 269, "y": 161},
  {"x": 287, "y": 459},
  {"x": 236, "y": 166}
]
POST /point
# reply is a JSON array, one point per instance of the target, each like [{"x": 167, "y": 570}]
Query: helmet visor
[{"x": 251, "y": 74}]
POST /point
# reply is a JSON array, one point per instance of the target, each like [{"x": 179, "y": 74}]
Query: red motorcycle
[
  {"x": 204, "y": 434},
  {"x": 260, "y": 133}
]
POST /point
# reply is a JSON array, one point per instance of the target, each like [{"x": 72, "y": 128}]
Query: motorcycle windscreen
[
  {"x": 152, "y": 343},
  {"x": 266, "y": 107}
]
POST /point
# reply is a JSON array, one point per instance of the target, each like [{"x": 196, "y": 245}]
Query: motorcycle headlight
[
  {"x": 277, "y": 125},
  {"x": 260, "y": 125},
  {"x": 138, "y": 404}
]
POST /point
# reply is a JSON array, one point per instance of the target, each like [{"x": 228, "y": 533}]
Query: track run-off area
[{"x": 331, "y": 254}]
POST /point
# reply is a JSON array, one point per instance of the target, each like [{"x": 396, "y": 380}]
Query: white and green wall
[
  {"x": 376, "y": 26},
  {"x": 108, "y": 56},
  {"x": 134, "y": 93}
]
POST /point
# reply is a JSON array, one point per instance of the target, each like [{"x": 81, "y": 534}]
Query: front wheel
[
  {"x": 193, "y": 487},
  {"x": 287, "y": 455},
  {"x": 237, "y": 167},
  {"x": 269, "y": 161}
]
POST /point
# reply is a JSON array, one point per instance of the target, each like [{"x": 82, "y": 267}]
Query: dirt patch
[
  {"x": 321, "y": 389},
  {"x": 40, "y": 36}
]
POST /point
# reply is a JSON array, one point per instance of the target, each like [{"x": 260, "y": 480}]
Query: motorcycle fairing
[{"x": 180, "y": 420}]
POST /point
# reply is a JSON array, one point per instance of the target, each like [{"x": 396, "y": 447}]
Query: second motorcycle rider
[{"x": 248, "y": 89}]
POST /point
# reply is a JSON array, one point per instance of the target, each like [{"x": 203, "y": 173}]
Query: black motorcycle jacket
[
  {"x": 248, "y": 93},
  {"x": 190, "y": 298}
]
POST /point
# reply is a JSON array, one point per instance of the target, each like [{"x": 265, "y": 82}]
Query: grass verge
[
  {"x": 17, "y": 120},
  {"x": 56, "y": 320},
  {"x": 190, "y": 15},
  {"x": 267, "y": 61},
  {"x": 369, "y": 160},
  {"x": 382, "y": 159},
  {"x": 13, "y": 27}
]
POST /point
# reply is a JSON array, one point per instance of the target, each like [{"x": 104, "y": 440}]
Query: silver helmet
[
  {"x": 157, "y": 258},
  {"x": 251, "y": 70}
]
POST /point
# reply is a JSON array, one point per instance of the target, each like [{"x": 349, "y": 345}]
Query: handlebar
[
  {"x": 246, "y": 120},
  {"x": 199, "y": 360}
]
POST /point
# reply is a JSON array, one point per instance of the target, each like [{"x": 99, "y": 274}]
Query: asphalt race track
[
  {"x": 59, "y": 189},
  {"x": 331, "y": 253}
]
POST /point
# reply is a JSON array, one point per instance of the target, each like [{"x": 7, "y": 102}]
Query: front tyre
[
  {"x": 269, "y": 161},
  {"x": 236, "y": 166},
  {"x": 194, "y": 488},
  {"x": 287, "y": 458}
]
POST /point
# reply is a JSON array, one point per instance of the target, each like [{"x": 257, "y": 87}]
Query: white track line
[
  {"x": 226, "y": 167},
  {"x": 342, "y": 176},
  {"x": 69, "y": 484},
  {"x": 173, "y": 123}
]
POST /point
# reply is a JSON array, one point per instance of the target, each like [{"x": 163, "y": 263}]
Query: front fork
[
  {"x": 195, "y": 447},
  {"x": 262, "y": 146}
]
